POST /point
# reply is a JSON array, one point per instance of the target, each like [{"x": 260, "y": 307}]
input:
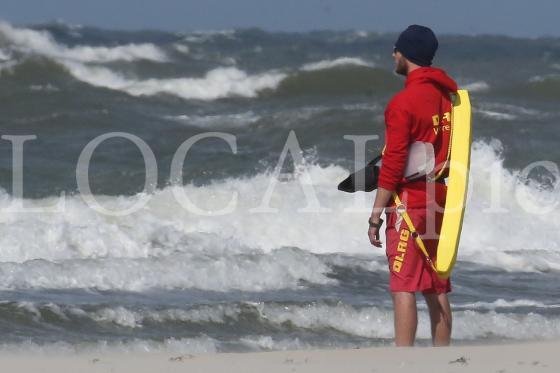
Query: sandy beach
[{"x": 528, "y": 357}]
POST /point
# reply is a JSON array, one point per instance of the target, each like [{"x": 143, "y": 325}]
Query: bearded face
[{"x": 400, "y": 63}]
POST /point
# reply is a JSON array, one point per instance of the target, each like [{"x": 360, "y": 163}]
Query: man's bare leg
[
  {"x": 440, "y": 318},
  {"x": 406, "y": 318}
]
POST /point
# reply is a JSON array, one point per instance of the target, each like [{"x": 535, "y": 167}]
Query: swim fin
[
  {"x": 364, "y": 179},
  {"x": 420, "y": 162}
]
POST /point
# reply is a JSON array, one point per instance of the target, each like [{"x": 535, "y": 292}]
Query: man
[{"x": 420, "y": 112}]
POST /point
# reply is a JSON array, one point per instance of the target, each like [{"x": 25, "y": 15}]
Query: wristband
[{"x": 375, "y": 225}]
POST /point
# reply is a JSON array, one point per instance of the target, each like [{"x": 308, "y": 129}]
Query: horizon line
[{"x": 62, "y": 22}]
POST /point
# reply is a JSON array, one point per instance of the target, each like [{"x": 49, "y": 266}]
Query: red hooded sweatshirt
[{"x": 420, "y": 112}]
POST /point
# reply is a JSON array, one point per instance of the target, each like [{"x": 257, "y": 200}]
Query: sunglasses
[{"x": 395, "y": 50}]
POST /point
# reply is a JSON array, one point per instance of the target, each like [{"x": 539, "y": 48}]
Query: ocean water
[{"x": 286, "y": 263}]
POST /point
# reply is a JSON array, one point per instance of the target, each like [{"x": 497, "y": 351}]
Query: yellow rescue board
[{"x": 457, "y": 183}]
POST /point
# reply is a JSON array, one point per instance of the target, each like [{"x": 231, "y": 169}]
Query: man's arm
[{"x": 397, "y": 138}]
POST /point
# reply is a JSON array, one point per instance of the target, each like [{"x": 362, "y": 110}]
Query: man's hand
[
  {"x": 381, "y": 200},
  {"x": 373, "y": 234}
]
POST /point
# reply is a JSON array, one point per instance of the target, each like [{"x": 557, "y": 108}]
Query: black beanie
[{"x": 418, "y": 44}]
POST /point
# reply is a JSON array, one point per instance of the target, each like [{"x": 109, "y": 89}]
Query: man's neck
[{"x": 411, "y": 68}]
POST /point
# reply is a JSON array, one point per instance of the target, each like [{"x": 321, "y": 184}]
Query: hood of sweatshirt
[{"x": 432, "y": 75}]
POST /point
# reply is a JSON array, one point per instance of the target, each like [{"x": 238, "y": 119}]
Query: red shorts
[{"x": 408, "y": 267}]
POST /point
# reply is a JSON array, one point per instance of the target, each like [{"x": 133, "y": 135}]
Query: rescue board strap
[{"x": 401, "y": 210}]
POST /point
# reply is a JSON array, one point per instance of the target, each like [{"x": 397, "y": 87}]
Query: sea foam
[
  {"x": 318, "y": 317},
  {"x": 218, "y": 83},
  {"x": 263, "y": 243},
  {"x": 41, "y": 42},
  {"x": 342, "y": 61}
]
